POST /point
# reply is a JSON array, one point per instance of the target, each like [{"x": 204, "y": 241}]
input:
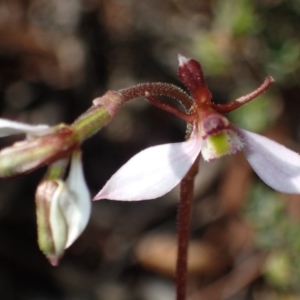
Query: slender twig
[{"x": 183, "y": 229}]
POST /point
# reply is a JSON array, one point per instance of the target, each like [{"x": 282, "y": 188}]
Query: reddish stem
[
  {"x": 187, "y": 117},
  {"x": 225, "y": 108},
  {"x": 183, "y": 229},
  {"x": 158, "y": 88}
]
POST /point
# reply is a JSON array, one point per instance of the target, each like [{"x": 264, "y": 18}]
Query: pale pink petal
[
  {"x": 276, "y": 165},
  {"x": 152, "y": 172},
  {"x": 8, "y": 127}
]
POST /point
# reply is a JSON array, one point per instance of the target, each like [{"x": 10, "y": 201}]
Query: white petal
[
  {"x": 152, "y": 172},
  {"x": 276, "y": 165},
  {"x": 76, "y": 204},
  {"x": 8, "y": 127}
]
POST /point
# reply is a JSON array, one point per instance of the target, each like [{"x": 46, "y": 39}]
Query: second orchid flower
[{"x": 155, "y": 171}]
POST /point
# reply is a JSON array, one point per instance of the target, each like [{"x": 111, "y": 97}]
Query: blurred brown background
[{"x": 56, "y": 56}]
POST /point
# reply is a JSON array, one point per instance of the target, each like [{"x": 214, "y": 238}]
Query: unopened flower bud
[
  {"x": 63, "y": 211},
  {"x": 51, "y": 224}
]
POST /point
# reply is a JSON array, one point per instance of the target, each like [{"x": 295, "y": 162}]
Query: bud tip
[
  {"x": 54, "y": 261},
  {"x": 182, "y": 60}
]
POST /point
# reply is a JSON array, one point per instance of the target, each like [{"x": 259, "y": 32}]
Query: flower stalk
[
  {"x": 183, "y": 229},
  {"x": 100, "y": 114}
]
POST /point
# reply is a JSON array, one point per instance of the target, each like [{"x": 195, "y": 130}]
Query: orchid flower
[
  {"x": 155, "y": 171},
  {"x": 63, "y": 207}
]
